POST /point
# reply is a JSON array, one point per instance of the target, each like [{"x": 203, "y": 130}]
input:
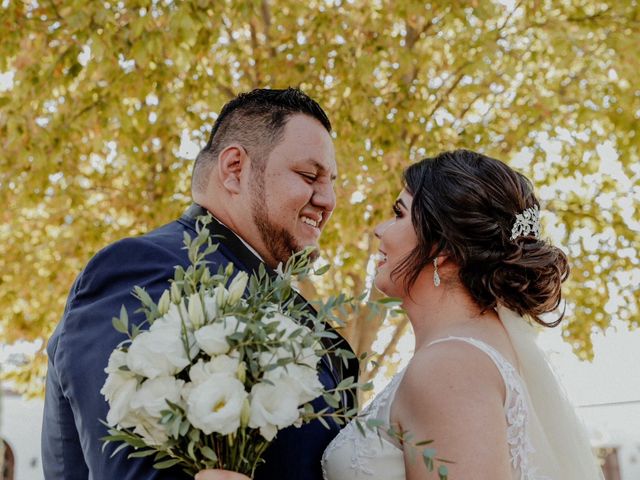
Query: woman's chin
[{"x": 382, "y": 286}]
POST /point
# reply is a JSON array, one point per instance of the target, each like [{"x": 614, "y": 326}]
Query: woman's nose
[{"x": 380, "y": 229}]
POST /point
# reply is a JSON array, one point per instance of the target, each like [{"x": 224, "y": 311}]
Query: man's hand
[{"x": 220, "y": 475}]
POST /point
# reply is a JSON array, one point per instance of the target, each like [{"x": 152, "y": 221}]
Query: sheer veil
[{"x": 562, "y": 448}]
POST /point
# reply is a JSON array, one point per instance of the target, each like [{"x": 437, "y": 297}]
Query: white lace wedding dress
[
  {"x": 353, "y": 456},
  {"x": 548, "y": 445}
]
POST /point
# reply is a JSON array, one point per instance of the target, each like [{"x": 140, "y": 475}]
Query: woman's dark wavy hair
[{"x": 464, "y": 205}]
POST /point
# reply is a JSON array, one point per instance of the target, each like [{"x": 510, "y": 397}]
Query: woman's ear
[
  {"x": 231, "y": 163},
  {"x": 443, "y": 258}
]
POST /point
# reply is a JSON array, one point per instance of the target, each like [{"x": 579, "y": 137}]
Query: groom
[{"x": 266, "y": 175}]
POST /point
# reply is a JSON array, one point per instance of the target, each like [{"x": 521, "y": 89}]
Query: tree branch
[
  {"x": 266, "y": 20},
  {"x": 453, "y": 86}
]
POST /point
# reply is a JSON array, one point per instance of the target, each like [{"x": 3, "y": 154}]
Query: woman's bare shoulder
[{"x": 451, "y": 371}]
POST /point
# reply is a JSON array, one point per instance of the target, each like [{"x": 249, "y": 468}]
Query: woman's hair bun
[{"x": 528, "y": 279}]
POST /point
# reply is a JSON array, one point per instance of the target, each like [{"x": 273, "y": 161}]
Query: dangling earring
[{"x": 436, "y": 277}]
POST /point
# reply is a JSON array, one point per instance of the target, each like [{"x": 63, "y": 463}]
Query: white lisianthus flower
[
  {"x": 273, "y": 407},
  {"x": 119, "y": 389},
  {"x": 196, "y": 311},
  {"x": 215, "y": 405},
  {"x": 287, "y": 325},
  {"x": 149, "y": 402},
  {"x": 151, "y": 430},
  {"x": 177, "y": 320},
  {"x": 236, "y": 289},
  {"x": 202, "y": 371},
  {"x": 117, "y": 359},
  {"x": 308, "y": 357},
  {"x": 173, "y": 318},
  {"x": 152, "y": 395},
  {"x": 157, "y": 352},
  {"x": 270, "y": 357},
  {"x": 301, "y": 378},
  {"x": 212, "y": 338}
]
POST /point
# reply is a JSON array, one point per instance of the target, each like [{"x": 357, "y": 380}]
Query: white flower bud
[
  {"x": 221, "y": 294},
  {"x": 241, "y": 372},
  {"x": 196, "y": 312},
  {"x": 229, "y": 269},
  {"x": 206, "y": 276},
  {"x": 176, "y": 294},
  {"x": 164, "y": 303},
  {"x": 245, "y": 413},
  {"x": 236, "y": 289}
]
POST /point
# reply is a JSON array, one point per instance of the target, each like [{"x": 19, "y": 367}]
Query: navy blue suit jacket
[{"x": 81, "y": 344}]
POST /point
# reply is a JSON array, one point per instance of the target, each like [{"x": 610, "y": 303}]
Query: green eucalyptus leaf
[{"x": 166, "y": 463}]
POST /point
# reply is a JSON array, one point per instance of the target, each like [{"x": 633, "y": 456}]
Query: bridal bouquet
[{"x": 218, "y": 373}]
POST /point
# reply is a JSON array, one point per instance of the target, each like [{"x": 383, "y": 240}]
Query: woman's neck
[{"x": 439, "y": 312}]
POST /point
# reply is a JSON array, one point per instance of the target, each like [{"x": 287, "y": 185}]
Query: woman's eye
[
  {"x": 397, "y": 212},
  {"x": 308, "y": 176}
]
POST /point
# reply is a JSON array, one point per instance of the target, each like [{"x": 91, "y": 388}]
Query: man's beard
[{"x": 280, "y": 243}]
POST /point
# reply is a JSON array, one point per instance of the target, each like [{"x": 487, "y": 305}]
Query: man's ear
[{"x": 231, "y": 163}]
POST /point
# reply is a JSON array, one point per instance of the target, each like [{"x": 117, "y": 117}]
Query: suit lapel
[{"x": 230, "y": 240}]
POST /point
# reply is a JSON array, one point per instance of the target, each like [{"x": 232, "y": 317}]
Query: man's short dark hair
[{"x": 255, "y": 120}]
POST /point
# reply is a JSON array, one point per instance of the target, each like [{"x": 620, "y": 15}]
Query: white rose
[
  {"x": 273, "y": 407},
  {"x": 157, "y": 352},
  {"x": 149, "y": 402},
  {"x": 302, "y": 379},
  {"x": 215, "y": 405},
  {"x": 118, "y": 389},
  {"x": 213, "y": 338},
  {"x": 202, "y": 370}
]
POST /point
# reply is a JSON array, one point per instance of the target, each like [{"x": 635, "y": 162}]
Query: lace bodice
[{"x": 352, "y": 455}]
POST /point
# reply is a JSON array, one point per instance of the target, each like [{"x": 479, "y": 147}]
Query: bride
[{"x": 463, "y": 252}]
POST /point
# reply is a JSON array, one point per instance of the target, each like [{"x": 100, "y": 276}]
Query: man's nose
[{"x": 324, "y": 197}]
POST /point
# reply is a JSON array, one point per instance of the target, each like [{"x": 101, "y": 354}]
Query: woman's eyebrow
[{"x": 400, "y": 202}]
